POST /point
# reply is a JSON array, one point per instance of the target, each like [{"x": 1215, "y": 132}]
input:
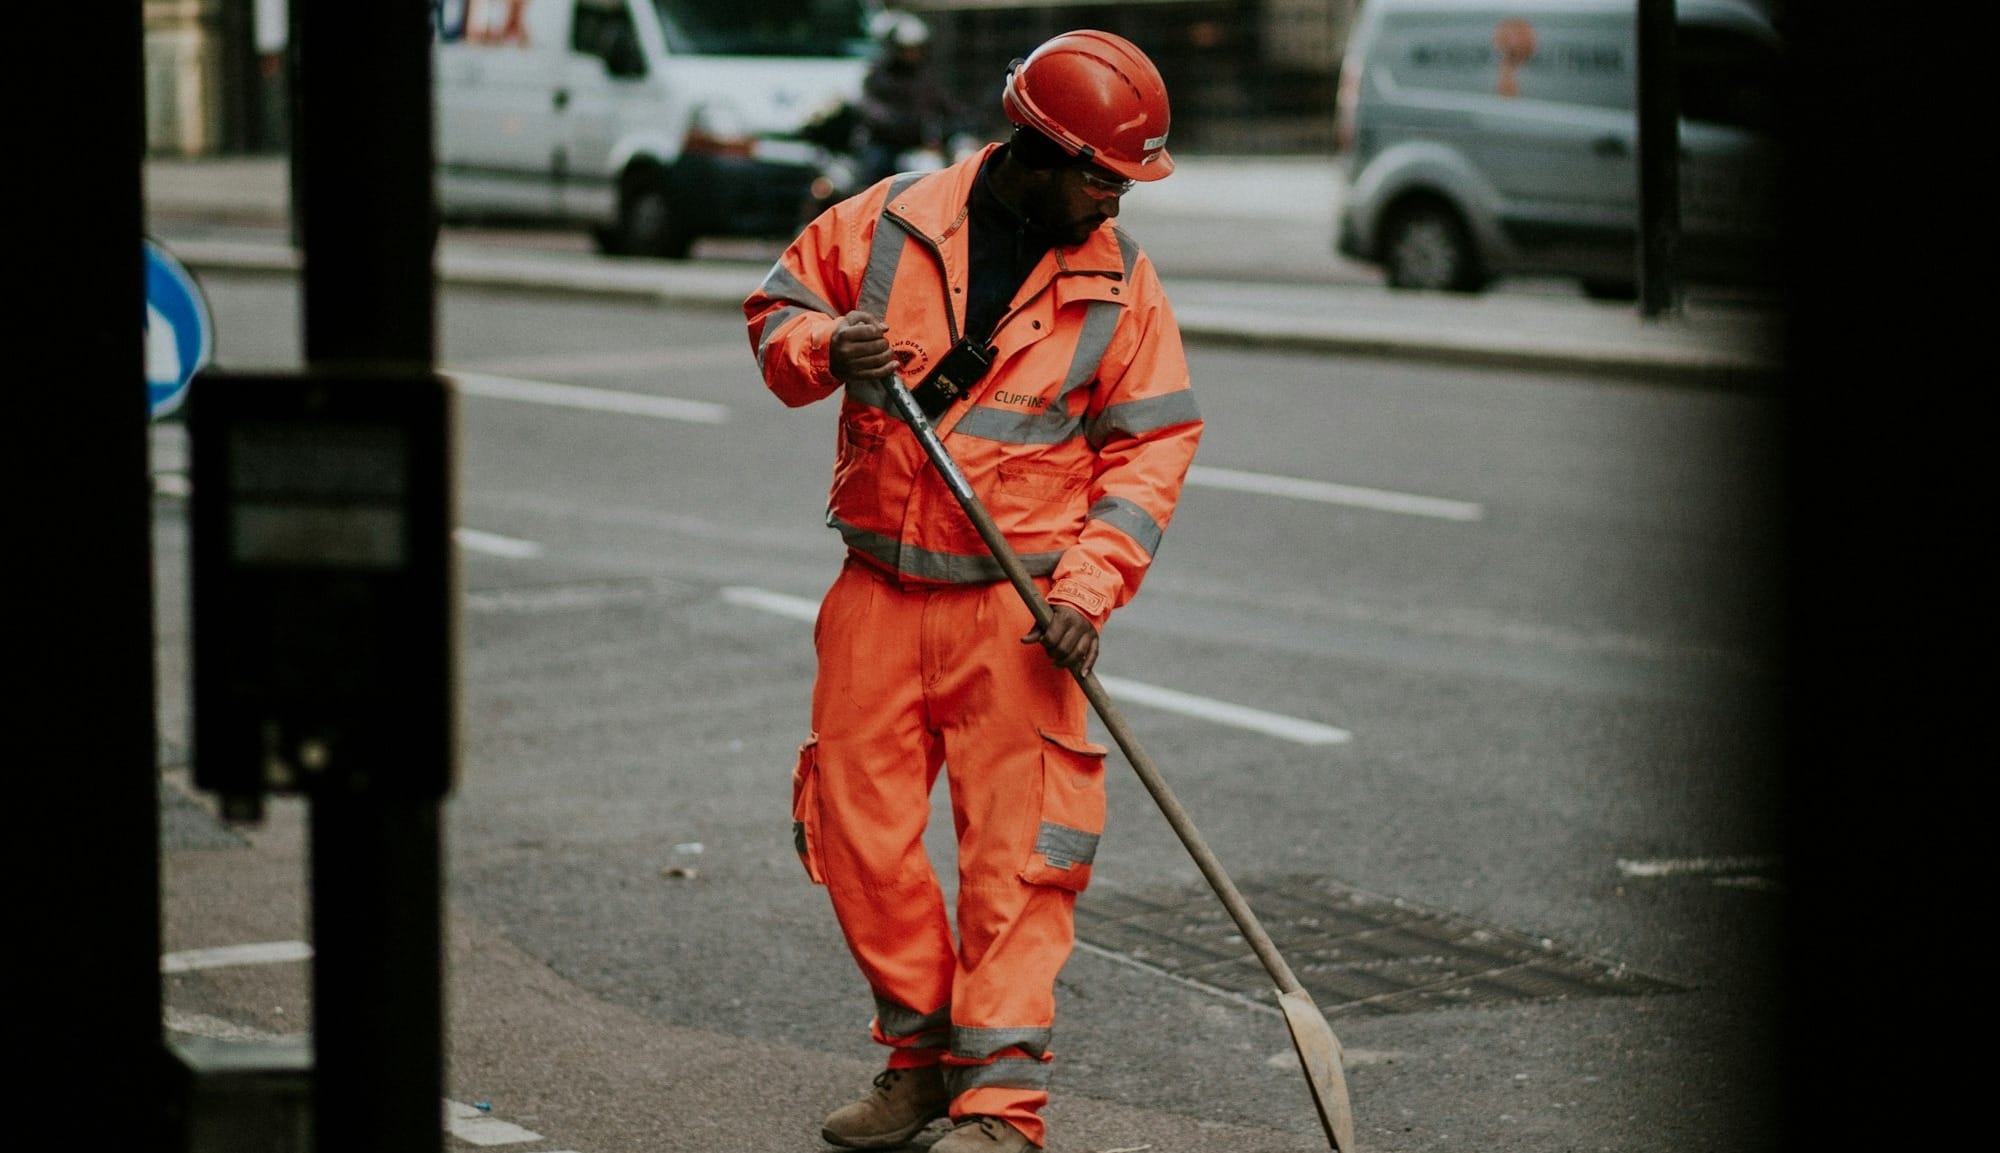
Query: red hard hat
[{"x": 1099, "y": 97}]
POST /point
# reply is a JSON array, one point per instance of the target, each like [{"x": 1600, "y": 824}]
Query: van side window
[
  {"x": 603, "y": 28},
  {"x": 1727, "y": 77}
]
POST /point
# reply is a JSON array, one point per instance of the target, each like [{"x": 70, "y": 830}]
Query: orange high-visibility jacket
[{"x": 1078, "y": 437}]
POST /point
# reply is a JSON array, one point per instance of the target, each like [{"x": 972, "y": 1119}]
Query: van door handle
[
  {"x": 1610, "y": 147},
  {"x": 562, "y": 99}
]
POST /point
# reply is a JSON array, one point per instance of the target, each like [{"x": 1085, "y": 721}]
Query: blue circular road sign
[{"x": 179, "y": 334}]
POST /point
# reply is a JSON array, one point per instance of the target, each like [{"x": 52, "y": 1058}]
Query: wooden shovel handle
[{"x": 1093, "y": 690}]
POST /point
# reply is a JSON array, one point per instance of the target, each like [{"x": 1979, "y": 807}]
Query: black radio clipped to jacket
[{"x": 954, "y": 376}]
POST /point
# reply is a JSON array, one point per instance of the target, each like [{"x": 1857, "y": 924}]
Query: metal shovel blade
[{"x": 1319, "y": 1052}]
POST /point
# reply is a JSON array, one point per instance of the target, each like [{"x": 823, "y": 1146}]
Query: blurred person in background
[{"x": 904, "y": 107}]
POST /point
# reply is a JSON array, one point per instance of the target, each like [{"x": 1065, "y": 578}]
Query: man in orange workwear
[{"x": 1038, "y": 339}]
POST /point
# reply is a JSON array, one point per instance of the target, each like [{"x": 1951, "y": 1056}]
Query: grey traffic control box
[{"x": 323, "y": 582}]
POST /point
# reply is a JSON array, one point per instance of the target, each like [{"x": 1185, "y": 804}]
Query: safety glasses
[{"x": 1101, "y": 186}]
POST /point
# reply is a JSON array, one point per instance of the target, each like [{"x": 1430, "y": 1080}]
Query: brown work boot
[
  {"x": 902, "y": 1102},
  {"x": 984, "y": 1135}
]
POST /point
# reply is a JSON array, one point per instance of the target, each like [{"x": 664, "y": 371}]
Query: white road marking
[
  {"x": 217, "y": 1029},
  {"x": 1187, "y": 704},
  {"x": 778, "y": 604},
  {"x": 263, "y": 953},
  {"x": 1247, "y": 1002},
  {"x": 1223, "y": 713},
  {"x": 1697, "y": 866},
  {"x": 473, "y": 1126},
  {"x": 1296, "y": 488},
  {"x": 560, "y": 598},
  {"x": 591, "y": 399},
  {"x": 493, "y": 544},
  {"x": 650, "y": 360}
]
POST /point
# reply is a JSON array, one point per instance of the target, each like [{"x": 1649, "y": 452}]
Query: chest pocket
[
  {"x": 857, "y": 462},
  {"x": 1039, "y": 484}
]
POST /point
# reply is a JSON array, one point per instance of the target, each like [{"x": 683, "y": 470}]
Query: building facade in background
[{"x": 215, "y": 77}]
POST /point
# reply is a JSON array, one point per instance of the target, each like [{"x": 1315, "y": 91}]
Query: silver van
[{"x": 1489, "y": 138}]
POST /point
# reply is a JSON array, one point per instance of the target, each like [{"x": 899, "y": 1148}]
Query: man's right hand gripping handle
[{"x": 859, "y": 349}]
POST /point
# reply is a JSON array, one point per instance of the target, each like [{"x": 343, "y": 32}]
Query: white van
[
  {"x": 1487, "y": 138},
  {"x": 652, "y": 122}
]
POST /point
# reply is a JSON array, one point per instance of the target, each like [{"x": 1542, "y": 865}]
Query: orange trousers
[{"x": 914, "y": 679}]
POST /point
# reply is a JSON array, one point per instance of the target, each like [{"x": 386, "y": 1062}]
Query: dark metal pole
[
  {"x": 364, "y": 199},
  {"x": 84, "y": 854},
  {"x": 1659, "y": 161},
  {"x": 235, "y": 23},
  {"x": 364, "y": 210}
]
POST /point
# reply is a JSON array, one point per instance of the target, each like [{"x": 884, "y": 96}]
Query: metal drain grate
[{"x": 1354, "y": 952}]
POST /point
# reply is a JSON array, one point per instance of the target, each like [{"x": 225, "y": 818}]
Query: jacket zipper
[
  {"x": 951, "y": 318},
  {"x": 937, "y": 254}
]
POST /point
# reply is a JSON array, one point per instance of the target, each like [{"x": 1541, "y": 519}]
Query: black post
[
  {"x": 1659, "y": 161},
  {"x": 84, "y": 853},
  {"x": 236, "y": 28},
  {"x": 363, "y": 211}
]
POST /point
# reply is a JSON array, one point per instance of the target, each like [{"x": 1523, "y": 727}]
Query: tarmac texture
[{"x": 718, "y": 1092}]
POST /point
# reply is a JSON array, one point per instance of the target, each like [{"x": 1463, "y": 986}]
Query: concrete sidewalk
[{"x": 1707, "y": 343}]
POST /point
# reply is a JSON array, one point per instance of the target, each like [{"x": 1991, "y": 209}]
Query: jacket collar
[{"x": 937, "y": 205}]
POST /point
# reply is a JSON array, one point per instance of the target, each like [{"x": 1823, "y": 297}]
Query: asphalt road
[{"x": 1531, "y": 606}]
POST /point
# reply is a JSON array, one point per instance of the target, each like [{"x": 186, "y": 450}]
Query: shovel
[{"x": 1318, "y": 1049}]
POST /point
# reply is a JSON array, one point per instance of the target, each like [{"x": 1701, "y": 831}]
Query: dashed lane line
[
  {"x": 1297, "y": 488},
  {"x": 1737, "y": 866},
  {"x": 260, "y": 953},
  {"x": 1292, "y": 729},
  {"x": 589, "y": 399},
  {"x": 493, "y": 544}
]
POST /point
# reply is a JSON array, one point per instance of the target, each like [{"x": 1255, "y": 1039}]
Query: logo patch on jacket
[{"x": 912, "y": 362}]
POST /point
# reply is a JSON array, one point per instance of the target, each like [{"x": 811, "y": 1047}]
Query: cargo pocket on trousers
[
  {"x": 1072, "y": 817},
  {"x": 805, "y": 810}
]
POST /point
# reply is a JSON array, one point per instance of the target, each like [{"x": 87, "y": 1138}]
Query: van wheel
[
  {"x": 648, "y": 223},
  {"x": 1425, "y": 245}
]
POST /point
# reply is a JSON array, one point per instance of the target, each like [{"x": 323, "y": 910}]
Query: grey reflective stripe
[
  {"x": 1127, "y": 248},
  {"x": 885, "y": 252},
  {"x": 781, "y": 284},
  {"x": 1131, "y": 520},
  {"x": 1052, "y": 425},
  {"x": 873, "y": 544},
  {"x": 979, "y": 1044},
  {"x": 949, "y": 568},
  {"x": 1140, "y": 416},
  {"x": 1100, "y": 322},
  {"x": 1064, "y": 846},
  {"x": 1005, "y": 1073},
  {"x": 900, "y": 1021},
  {"x": 1009, "y": 426},
  {"x": 772, "y": 324}
]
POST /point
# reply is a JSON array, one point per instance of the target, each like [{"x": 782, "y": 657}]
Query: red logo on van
[{"x": 1515, "y": 40}]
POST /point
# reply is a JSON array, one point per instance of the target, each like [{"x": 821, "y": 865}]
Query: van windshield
[{"x": 767, "y": 28}]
